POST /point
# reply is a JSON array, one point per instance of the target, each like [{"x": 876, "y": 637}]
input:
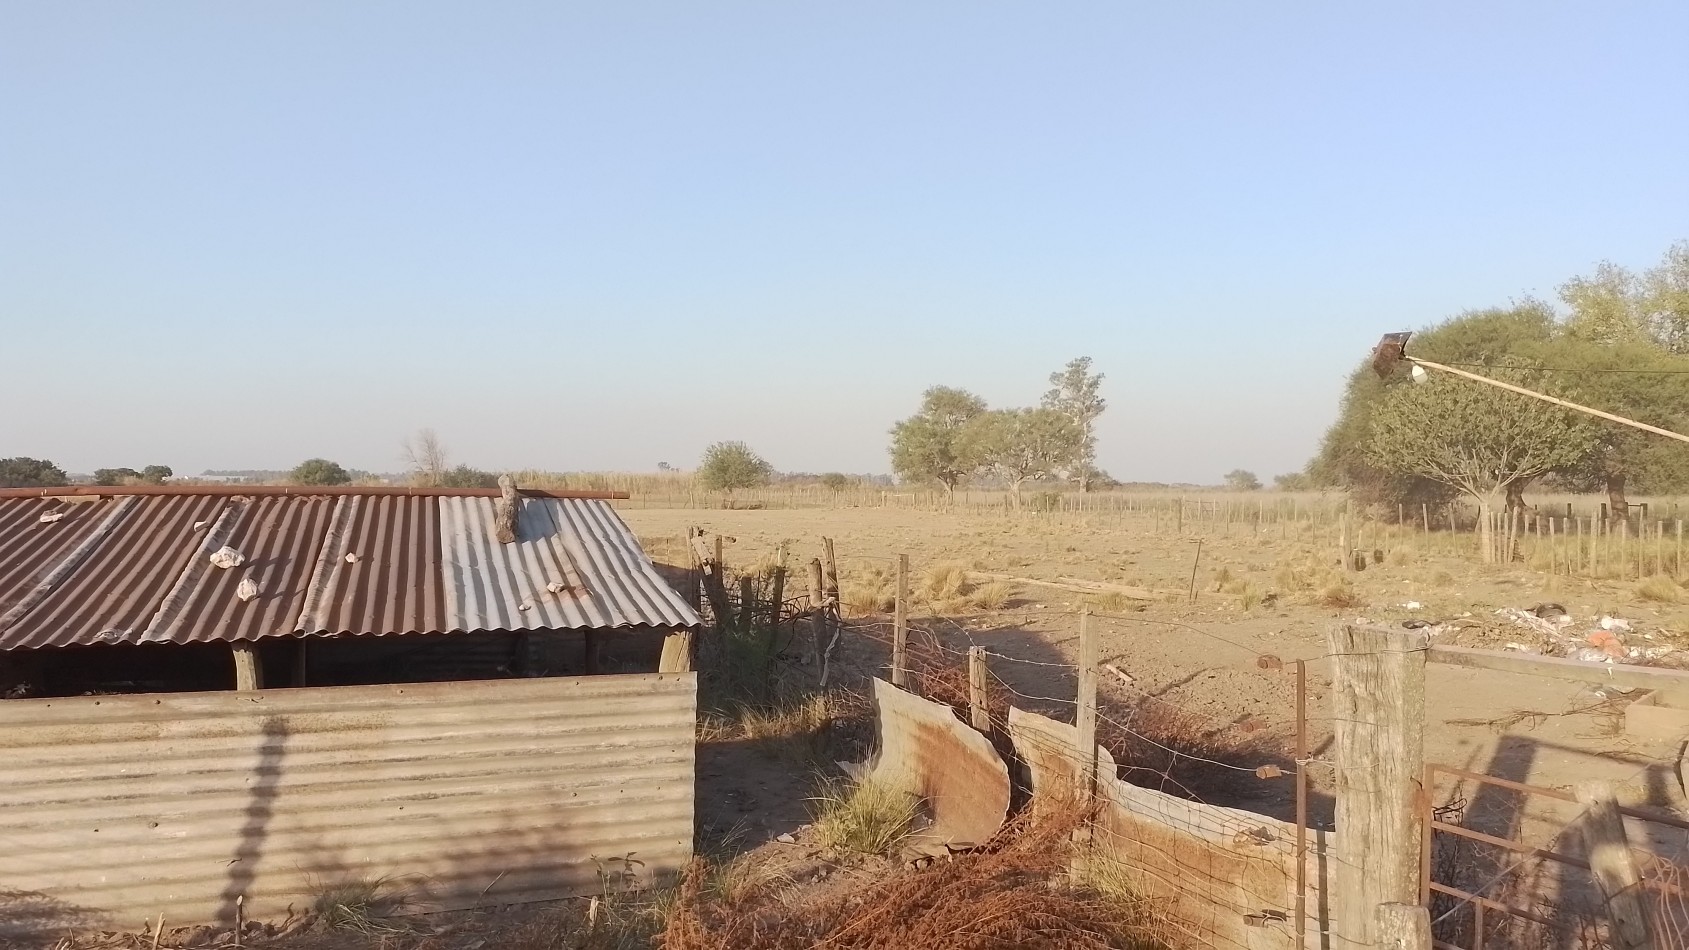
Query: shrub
[
  {"x": 992, "y": 596},
  {"x": 1341, "y": 595},
  {"x": 1659, "y": 589},
  {"x": 869, "y": 818},
  {"x": 943, "y": 581}
]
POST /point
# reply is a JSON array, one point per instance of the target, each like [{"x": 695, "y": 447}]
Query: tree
[
  {"x": 835, "y": 481},
  {"x": 1665, "y": 299},
  {"x": 927, "y": 447},
  {"x": 320, "y": 472},
  {"x": 1239, "y": 479},
  {"x": 115, "y": 476},
  {"x": 463, "y": 476},
  {"x": 21, "y": 472},
  {"x": 1021, "y": 445},
  {"x": 1292, "y": 481},
  {"x": 1492, "y": 337},
  {"x": 427, "y": 457},
  {"x": 1076, "y": 393},
  {"x": 1478, "y": 440},
  {"x": 729, "y": 466},
  {"x": 156, "y": 474}
]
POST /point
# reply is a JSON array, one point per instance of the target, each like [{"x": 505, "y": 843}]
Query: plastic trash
[
  {"x": 48, "y": 517},
  {"x": 1614, "y": 623},
  {"x": 226, "y": 557},
  {"x": 246, "y": 589}
]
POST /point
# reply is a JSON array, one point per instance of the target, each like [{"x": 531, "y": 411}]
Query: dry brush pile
[{"x": 1013, "y": 893}]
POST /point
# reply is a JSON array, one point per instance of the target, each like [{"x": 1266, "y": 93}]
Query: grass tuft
[
  {"x": 944, "y": 581},
  {"x": 1659, "y": 589},
  {"x": 1341, "y": 595},
  {"x": 357, "y": 904},
  {"x": 992, "y": 596},
  {"x": 870, "y": 818}
]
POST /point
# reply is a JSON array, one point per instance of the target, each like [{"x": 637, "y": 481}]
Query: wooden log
[
  {"x": 1073, "y": 584},
  {"x": 1614, "y": 867},
  {"x": 249, "y": 673},
  {"x": 1402, "y": 927},
  {"x": 1378, "y": 693},
  {"x": 505, "y": 510}
]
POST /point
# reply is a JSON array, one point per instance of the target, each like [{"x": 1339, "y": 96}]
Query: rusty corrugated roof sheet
[{"x": 136, "y": 567}]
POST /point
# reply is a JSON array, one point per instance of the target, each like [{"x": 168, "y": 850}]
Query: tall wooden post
[
  {"x": 1087, "y": 718},
  {"x": 900, "y": 626},
  {"x": 979, "y": 713},
  {"x": 1378, "y": 691},
  {"x": 1614, "y": 867},
  {"x": 817, "y": 613}
]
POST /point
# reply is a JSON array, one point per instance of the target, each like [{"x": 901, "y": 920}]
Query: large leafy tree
[
  {"x": 1021, "y": 445},
  {"x": 928, "y": 446},
  {"x": 1076, "y": 392},
  {"x": 1491, "y": 337},
  {"x": 319, "y": 472},
  {"x": 21, "y": 472},
  {"x": 156, "y": 474},
  {"x": 1241, "y": 479},
  {"x": 1476, "y": 439},
  {"x": 729, "y": 466},
  {"x": 115, "y": 476}
]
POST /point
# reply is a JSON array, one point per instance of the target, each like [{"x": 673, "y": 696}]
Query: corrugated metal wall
[{"x": 118, "y": 808}]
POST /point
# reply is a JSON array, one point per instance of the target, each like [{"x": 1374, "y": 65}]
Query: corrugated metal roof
[
  {"x": 136, "y": 568},
  {"x": 455, "y": 794}
]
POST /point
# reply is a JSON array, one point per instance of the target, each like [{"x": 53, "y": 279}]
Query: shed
[{"x": 460, "y": 720}]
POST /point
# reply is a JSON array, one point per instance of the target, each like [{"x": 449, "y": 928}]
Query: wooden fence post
[
  {"x": 978, "y": 711},
  {"x": 1614, "y": 867},
  {"x": 1402, "y": 927},
  {"x": 1378, "y": 691},
  {"x": 817, "y": 613},
  {"x": 248, "y": 672},
  {"x": 1087, "y": 718},
  {"x": 900, "y": 627}
]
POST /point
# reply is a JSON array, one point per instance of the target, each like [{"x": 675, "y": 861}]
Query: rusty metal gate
[{"x": 1504, "y": 864}]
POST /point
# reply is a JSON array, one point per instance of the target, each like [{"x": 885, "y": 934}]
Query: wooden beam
[
  {"x": 677, "y": 653},
  {"x": 1614, "y": 867},
  {"x": 1378, "y": 693},
  {"x": 1087, "y": 703},
  {"x": 249, "y": 674},
  {"x": 979, "y": 711},
  {"x": 1072, "y": 584},
  {"x": 1602, "y": 674},
  {"x": 900, "y": 626},
  {"x": 505, "y": 511}
]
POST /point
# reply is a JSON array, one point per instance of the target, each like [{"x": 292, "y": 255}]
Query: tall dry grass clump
[
  {"x": 1163, "y": 747},
  {"x": 1014, "y": 893},
  {"x": 1659, "y": 589},
  {"x": 871, "y": 817}
]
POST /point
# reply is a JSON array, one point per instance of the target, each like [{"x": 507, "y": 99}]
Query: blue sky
[{"x": 601, "y": 236}]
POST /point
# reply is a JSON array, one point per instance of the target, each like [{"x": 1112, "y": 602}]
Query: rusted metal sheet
[
  {"x": 1221, "y": 877},
  {"x": 574, "y": 565},
  {"x": 116, "y": 808},
  {"x": 135, "y": 568},
  {"x": 925, "y": 749}
]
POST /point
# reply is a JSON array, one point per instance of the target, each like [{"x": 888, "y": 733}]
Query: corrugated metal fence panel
[
  {"x": 115, "y": 808},
  {"x": 580, "y": 546}
]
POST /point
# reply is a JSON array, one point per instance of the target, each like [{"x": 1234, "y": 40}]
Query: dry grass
[
  {"x": 357, "y": 904},
  {"x": 945, "y": 581},
  {"x": 992, "y": 596},
  {"x": 1014, "y": 893},
  {"x": 869, "y": 818},
  {"x": 1660, "y": 589},
  {"x": 1114, "y": 603},
  {"x": 871, "y": 590},
  {"x": 1341, "y": 595}
]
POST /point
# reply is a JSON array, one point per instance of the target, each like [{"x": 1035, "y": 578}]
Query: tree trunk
[
  {"x": 949, "y": 492},
  {"x": 1617, "y": 502},
  {"x": 1486, "y": 529},
  {"x": 1014, "y": 492}
]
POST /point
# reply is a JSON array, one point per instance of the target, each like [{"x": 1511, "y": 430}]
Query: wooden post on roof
[
  {"x": 505, "y": 510},
  {"x": 677, "y": 653},
  {"x": 1378, "y": 692},
  {"x": 1614, "y": 867},
  {"x": 249, "y": 674}
]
